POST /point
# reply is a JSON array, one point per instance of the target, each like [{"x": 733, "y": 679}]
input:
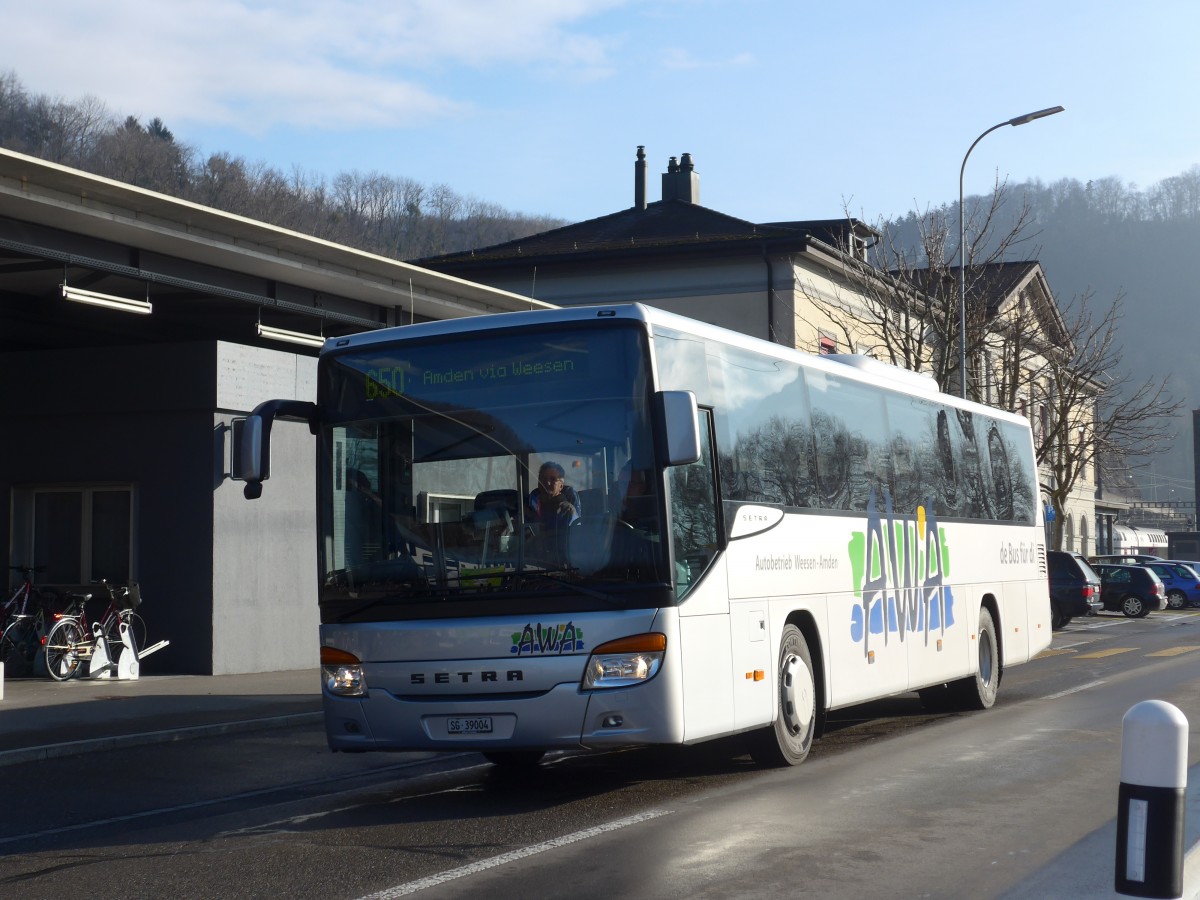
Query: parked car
[
  {"x": 1074, "y": 587},
  {"x": 1134, "y": 590},
  {"x": 1125, "y": 559},
  {"x": 1180, "y": 580}
]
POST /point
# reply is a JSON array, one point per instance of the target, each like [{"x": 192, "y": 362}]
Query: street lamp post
[{"x": 962, "y": 241}]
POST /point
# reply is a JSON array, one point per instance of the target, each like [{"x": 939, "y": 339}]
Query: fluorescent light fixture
[
  {"x": 292, "y": 337},
  {"x": 95, "y": 298}
]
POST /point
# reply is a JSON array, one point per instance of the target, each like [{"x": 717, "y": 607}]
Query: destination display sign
[{"x": 397, "y": 381}]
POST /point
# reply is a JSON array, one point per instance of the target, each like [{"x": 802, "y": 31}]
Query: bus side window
[{"x": 694, "y": 513}]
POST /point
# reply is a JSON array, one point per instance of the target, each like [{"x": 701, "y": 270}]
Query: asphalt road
[{"x": 893, "y": 802}]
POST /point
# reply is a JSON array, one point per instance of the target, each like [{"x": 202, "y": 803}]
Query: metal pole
[{"x": 962, "y": 240}]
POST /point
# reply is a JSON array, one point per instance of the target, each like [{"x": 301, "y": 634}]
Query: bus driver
[{"x": 553, "y": 504}]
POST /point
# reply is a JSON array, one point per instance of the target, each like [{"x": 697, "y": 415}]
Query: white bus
[{"x": 748, "y": 538}]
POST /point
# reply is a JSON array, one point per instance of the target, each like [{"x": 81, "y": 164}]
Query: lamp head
[{"x": 1040, "y": 114}]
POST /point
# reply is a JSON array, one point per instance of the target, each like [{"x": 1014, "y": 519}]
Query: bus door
[{"x": 702, "y": 589}]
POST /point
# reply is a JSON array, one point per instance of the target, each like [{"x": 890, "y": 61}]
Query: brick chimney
[{"x": 680, "y": 181}]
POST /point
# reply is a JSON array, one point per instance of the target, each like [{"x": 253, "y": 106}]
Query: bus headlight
[
  {"x": 342, "y": 673},
  {"x": 624, "y": 662}
]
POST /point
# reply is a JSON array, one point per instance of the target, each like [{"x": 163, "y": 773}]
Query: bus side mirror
[
  {"x": 680, "y": 427},
  {"x": 254, "y": 465},
  {"x": 252, "y": 441}
]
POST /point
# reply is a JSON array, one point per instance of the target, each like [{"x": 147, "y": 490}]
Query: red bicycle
[{"x": 72, "y": 640}]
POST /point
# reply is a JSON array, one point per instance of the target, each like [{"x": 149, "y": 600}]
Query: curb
[{"x": 76, "y": 748}]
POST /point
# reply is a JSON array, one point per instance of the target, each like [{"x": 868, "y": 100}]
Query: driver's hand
[{"x": 565, "y": 508}]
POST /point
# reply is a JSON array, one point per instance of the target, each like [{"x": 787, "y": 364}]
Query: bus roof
[{"x": 856, "y": 366}]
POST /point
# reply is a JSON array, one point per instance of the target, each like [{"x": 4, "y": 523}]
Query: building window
[
  {"x": 826, "y": 345},
  {"x": 80, "y": 534}
]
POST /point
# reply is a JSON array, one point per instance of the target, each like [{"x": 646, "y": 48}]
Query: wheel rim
[
  {"x": 1175, "y": 599},
  {"x": 796, "y": 695},
  {"x": 1132, "y": 606},
  {"x": 62, "y": 658}
]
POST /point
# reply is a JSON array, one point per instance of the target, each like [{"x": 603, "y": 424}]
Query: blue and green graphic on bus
[{"x": 900, "y": 565}]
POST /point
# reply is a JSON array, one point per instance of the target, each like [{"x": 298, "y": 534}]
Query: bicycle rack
[{"x": 126, "y": 664}]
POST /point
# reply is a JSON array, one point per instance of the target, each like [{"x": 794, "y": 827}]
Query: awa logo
[
  {"x": 900, "y": 566},
  {"x": 535, "y": 640}
]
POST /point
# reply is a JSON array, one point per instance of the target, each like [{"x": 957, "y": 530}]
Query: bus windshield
[{"x": 515, "y": 467}]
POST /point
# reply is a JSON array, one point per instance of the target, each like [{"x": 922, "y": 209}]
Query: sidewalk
[
  {"x": 1086, "y": 871},
  {"x": 41, "y": 719}
]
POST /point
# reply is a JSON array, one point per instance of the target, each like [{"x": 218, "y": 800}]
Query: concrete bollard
[{"x": 1150, "y": 805}]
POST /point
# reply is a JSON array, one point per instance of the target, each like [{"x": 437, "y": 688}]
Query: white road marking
[
  {"x": 1074, "y": 690},
  {"x": 412, "y": 887}
]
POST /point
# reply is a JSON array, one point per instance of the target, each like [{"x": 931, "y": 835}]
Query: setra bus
[{"x": 602, "y": 527}]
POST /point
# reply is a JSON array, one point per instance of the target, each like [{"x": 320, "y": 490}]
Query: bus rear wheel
[
  {"x": 976, "y": 691},
  {"x": 787, "y": 741},
  {"x": 979, "y": 691}
]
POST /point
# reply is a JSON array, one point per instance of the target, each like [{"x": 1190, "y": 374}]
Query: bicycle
[
  {"x": 72, "y": 640},
  {"x": 17, "y": 603},
  {"x": 24, "y": 624}
]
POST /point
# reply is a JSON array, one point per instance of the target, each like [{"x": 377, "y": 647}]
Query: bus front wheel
[{"x": 788, "y": 739}]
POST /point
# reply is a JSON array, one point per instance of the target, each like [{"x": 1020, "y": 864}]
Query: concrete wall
[{"x": 264, "y": 578}]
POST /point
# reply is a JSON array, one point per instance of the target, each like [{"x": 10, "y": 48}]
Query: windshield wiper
[
  {"x": 393, "y": 596},
  {"x": 513, "y": 582}
]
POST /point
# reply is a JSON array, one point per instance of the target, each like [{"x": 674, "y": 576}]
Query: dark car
[
  {"x": 1133, "y": 590},
  {"x": 1125, "y": 559},
  {"x": 1180, "y": 581},
  {"x": 1074, "y": 587}
]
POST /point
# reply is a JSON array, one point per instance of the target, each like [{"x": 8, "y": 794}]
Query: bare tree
[
  {"x": 1177, "y": 197},
  {"x": 1094, "y": 412},
  {"x": 222, "y": 183},
  {"x": 146, "y": 158},
  {"x": 903, "y": 302}
]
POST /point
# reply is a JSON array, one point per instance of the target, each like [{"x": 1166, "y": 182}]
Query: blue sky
[{"x": 790, "y": 110}]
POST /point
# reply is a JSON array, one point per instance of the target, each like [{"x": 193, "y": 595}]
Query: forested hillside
[
  {"x": 386, "y": 214},
  {"x": 1117, "y": 240}
]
